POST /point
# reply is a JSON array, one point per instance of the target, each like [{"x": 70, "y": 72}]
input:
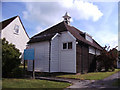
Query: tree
[
  {"x": 10, "y": 58},
  {"x": 107, "y": 59}
]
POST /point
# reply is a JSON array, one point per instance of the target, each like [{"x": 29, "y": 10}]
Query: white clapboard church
[{"x": 64, "y": 48}]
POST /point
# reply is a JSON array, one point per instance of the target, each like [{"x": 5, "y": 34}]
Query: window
[
  {"x": 16, "y": 28},
  {"x": 64, "y": 45},
  {"x": 69, "y": 45},
  {"x": 89, "y": 38},
  {"x": 92, "y": 50}
]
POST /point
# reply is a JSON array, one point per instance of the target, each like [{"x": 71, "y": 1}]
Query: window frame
[
  {"x": 16, "y": 29},
  {"x": 67, "y": 46},
  {"x": 63, "y": 46}
]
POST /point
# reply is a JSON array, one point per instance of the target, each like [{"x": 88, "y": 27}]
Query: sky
[{"x": 99, "y": 19}]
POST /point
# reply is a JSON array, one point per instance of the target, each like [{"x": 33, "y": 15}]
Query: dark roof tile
[{"x": 49, "y": 33}]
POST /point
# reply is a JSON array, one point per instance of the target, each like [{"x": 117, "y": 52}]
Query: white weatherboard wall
[
  {"x": 68, "y": 56},
  {"x": 41, "y": 56},
  {"x": 54, "y": 65},
  {"x": 63, "y": 60},
  {"x": 19, "y": 40}
]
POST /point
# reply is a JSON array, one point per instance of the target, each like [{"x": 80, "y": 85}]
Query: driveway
[{"x": 105, "y": 83}]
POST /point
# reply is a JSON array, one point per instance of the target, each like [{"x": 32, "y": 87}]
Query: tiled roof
[
  {"x": 49, "y": 33},
  {"x": 60, "y": 27}
]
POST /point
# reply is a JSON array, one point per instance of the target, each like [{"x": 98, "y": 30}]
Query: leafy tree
[
  {"x": 107, "y": 59},
  {"x": 10, "y": 58}
]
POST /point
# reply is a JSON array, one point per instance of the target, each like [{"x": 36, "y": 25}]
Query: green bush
[
  {"x": 10, "y": 58},
  {"x": 17, "y": 73},
  {"x": 107, "y": 60}
]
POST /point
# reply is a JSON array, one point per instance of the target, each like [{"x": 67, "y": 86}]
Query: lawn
[
  {"x": 32, "y": 83},
  {"x": 90, "y": 76}
]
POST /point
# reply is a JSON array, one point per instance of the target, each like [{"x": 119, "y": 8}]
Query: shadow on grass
[{"x": 55, "y": 74}]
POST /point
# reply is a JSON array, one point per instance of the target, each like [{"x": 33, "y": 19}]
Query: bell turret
[{"x": 67, "y": 18}]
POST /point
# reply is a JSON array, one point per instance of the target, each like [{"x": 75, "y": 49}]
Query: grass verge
[
  {"x": 32, "y": 83},
  {"x": 90, "y": 76}
]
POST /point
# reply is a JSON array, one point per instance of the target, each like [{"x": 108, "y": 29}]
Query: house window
[
  {"x": 69, "y": 45},
  {"x": 92, "y": 50},
  {"x": 64, "y": 45},
  {"x": 16, "y": 28},
  {"x": 89, "y": 38}
]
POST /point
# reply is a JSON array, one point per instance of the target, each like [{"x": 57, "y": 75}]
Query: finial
[{"x": 67, "y": 18}]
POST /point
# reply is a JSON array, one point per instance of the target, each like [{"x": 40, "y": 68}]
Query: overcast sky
[{"x": 99, "y": 19}]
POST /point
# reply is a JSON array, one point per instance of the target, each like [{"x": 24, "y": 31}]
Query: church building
[{"x": 64, "y": 48}]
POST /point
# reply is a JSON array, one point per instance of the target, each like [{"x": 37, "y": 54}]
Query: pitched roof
[
  {"x": 49, "y": 33},
  {"x": 4, "y": 23},
  {"x": 60, "y": 27}
]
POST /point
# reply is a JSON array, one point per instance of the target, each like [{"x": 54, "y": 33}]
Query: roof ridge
[
  {"x": 53, "y": 26},
  {"x": 23, "y": 26},
  {"x": 79, "y": 37},
  {"x": 10, "y": 18},
  {"x": 6, "y": 22},
  {"x": 61, "y": 27}
]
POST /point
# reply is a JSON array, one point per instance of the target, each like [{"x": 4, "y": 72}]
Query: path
[{"x": 105, "y": 83}]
